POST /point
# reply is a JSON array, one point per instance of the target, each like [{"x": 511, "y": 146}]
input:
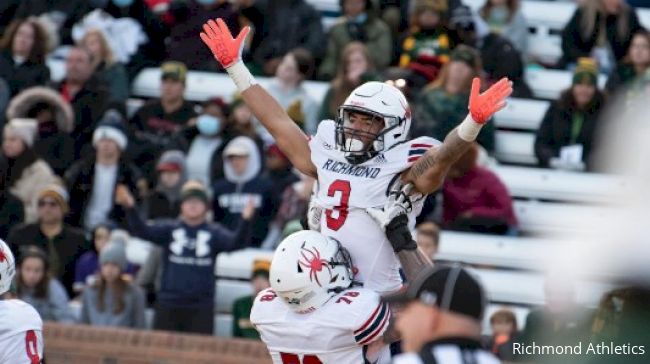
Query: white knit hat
[
  {"x": 25, "y": 129},
  {"x": 111, "y": 126}
]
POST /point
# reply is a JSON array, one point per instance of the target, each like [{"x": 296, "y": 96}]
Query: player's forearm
[
  {"x": 413, "y": 262},
  {"x": 391, "y": 335},
  {"x": 428, "y": 173}
]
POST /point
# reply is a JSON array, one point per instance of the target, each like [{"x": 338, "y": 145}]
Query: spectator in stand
[
  {"x": 279, "y": 170},
  {"x": 24, "y": 173},
  {"x": 12, "y": 212},
  {"x": 600, "y": 29},
  {"x": 242, "y": 122},
  {"x": 36, "y": 286},
  {"x": 91, "y": 180},
  {"x": 475, "y": 199},
  {"x": 359, "y": 24},
  {"x": 355, "y": 68},
  {"x": 440, "y": 106},
  {"x": 113, "y": 300},
  {"x": 55, "y": 119},
  {"x": 88, "y": 263},
  {"x": 504, "y": 333},
  {"x": 499, "y": 57},
  {"x": 190, "y": 245},
  {"x": 86, "y": 94},
  {"x": 62, "y": 243},
  {"x": 165, "y": 200},
  {"x": 287, "y": 87},
  {"x": 427, "y": 40},
  {"x": 292, "y": 209},
  {"x": 7, "y": 13},
  {"x": 427, "y": 237},
  {"x": 208, "y": 137},
  {"x": 243, "y": 183},
  {"x": 241, "y": 308},
  {"x": 504, "y": 17},
  {"x": 280, "y": 26},
  {"x": 566, "y": 139},
  {"x": 189, "y": 16},
  {"x": 22, "y": 56},
  {"x": 157, "y": 122},
  {"x": 111, "y": 72},
  {"x": 152, "y": 52},
  {"x": 635, "y": 66},
  {"x": 62, "y": 13}
]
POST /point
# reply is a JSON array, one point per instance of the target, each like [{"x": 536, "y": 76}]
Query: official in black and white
[{"x": 441, "y": 320}]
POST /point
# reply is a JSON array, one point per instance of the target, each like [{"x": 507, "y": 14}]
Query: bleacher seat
[
  {"x": 548, "y": 84},
  {"x": 229, "y": 290},
  {"x": 537, "y": 217},
  {"x": 515, "y": 147},
  {"x": 521, "y": 114},
  {"x": 223, "y": 324}
]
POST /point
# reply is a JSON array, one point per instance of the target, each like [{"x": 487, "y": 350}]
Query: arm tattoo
[
  {"x": 441, "y": 158},
  {"x": 413, "y": 262}
]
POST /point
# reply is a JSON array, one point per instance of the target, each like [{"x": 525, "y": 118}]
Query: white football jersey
[
  {"x": 333, "y": 334},
  {"x": 346, "y": 190},
  {"x": 21, "y": 333}
]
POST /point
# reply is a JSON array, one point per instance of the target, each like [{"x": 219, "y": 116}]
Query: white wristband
[
  {"x": 241, "y": 76},
  {"x": 468, "y": 130}
]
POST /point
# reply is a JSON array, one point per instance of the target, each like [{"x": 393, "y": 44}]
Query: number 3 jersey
[
  {"x": 346, "y": 190},
  {"x": 334, "y": 333}
]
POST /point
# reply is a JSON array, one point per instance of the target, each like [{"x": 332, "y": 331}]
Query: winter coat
[
  {"x": 79, "y": 179},
  {"x": 501, "y": 59},
  {"x": 88, "y": 105},
  {"x": 231, "y": 194},
  {"x": 184, "y": 45},
  {"x": 556, "y": 128},
  {"x": 374, "y": 33},
  {"x": 12, "y": 213},
  {"x": 116, "y": 80},
  {"x": 34, "y": 178},
  {"x": 53, "y": 143},
  {"x": 300, "y": 27},
  {"x": 25, "y": 75},
  {"x": 574, "y": 45},
  {"x": 63, "y": 250}
]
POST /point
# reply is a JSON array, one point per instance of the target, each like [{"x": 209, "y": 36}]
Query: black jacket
[
  {"x": 88, "y": 105},
  {"x": 25, "y": 75},
  {"x": 68, "y": 246},
  {"x": 555, "y": 130},
  {"x": 79, "y": 179},
  {"x": 575, "y": 46},
  {"x": 12, "y": 212},
  {"x": 501, "y": 59},
  {"x": 71, "y": 12}
]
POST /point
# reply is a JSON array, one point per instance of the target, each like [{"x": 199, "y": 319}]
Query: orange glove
[
  {"x": 483, "y": 106},
  {"x": 226, "y": 49}
]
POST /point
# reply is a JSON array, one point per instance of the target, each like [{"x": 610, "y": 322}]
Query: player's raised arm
[
  {"x": 428, "y": 173},
  {"x": 228, "y": 50}
]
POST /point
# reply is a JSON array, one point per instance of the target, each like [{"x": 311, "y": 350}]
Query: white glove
[
  {"x": 399, "y": 202},
  {"x": 314, "y": 214},
  {"x": 557, "y": 163}
]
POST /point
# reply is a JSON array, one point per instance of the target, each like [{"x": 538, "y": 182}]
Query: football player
[
  {"x": 21, "y": 328},
  {"x": 360, "y": 156}
]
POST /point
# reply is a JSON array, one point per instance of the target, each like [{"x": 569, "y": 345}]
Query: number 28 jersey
[
  {"x": 335, "y": 333},
  {"x": 346, "y": 190}
]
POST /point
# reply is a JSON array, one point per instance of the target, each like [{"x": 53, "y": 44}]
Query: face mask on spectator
[
  {"x": 206, "y": 2},
  {"x": 499, "y": 14},
  {"x": 208, "y": 125},
  {"x": 122, "y": 3}
]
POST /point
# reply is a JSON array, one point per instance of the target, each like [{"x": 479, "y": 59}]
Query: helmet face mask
[
  {"x": 308, "y": 269},
  {"x": 380, "y": 102}
]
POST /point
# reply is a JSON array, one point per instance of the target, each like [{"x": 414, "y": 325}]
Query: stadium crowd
[{"x": 79, "y": 176}]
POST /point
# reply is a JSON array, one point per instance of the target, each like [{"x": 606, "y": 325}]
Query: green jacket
[
  {"x": 241, "y": 322},
  {"x": 378, "y": 39}
]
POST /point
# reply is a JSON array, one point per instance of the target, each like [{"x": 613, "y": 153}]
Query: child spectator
[
  {"x": 504, "y": 332},
  {"x": 35, "y": 286},
  {"x": 165, "y": 200},
  {"x": 428, "y": 237},
  {"x": 241, "y": 308},
  {"x": 113, "y": 300},
  {"x": 190, "y": 245}
]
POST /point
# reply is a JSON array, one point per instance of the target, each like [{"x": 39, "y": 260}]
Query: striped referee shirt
[{"x": 454, "y": 350}]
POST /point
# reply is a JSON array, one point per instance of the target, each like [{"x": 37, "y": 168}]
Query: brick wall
[{"x": 78, "y": 344}]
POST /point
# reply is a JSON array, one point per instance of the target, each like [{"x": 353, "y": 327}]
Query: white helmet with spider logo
[
  {"x": 308, "y": 269},
  {"x": 383, "y": 102},
  {"x": 7, "y": 267}
]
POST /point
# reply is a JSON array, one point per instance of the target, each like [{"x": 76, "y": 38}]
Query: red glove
[
  {"x": 226, "y": 49},
  {"x": 483, "y": 106}
]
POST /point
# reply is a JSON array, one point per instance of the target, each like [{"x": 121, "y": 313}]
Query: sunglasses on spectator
[{"x": 51, "y": 203}]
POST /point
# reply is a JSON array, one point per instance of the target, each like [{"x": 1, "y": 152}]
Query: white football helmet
[
  {"x": 7, "y": 267},
  {"x": 383, "y": 102},
  {"x": 309, "y": 268}
]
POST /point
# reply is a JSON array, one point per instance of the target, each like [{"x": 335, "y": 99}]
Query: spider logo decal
[
  {"x": 3, "y": 256},
  {"x": 313, "y": 262}
]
